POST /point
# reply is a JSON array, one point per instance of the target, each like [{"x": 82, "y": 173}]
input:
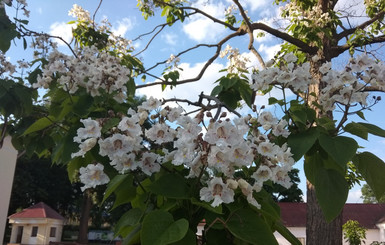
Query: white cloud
[
  {"x": 39, "y": 10},
  {"x": 354, "y": 8},
  {"x": 122, "y": 26},
  {"x": 62, "y": 30},
  {"x": 268, "y": 52},
  {"x": 354, "y": 196},
  {"x": 200, "y": 28},
  {"x": 254, "y": 5},
  {"x": 170, "y": 38}
]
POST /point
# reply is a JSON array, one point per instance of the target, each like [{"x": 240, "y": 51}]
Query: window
[
  {"x": 34, "y": 231},
  {"x": 52, "y": 232}
]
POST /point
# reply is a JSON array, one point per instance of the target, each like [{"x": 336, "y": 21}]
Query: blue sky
[{"x": 51, "y": 16}]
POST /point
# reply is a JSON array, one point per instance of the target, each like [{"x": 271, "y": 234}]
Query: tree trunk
[
  {"x": 84, "y": 218},
  {"x": 318, "y": 230}
]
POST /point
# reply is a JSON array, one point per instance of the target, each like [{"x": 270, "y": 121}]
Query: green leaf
[
  {"x": 207, "y": 206},
  {"x": 361, "y": 114},
  {"x": 281, "y": 229},
  {"x": 159, "y": 228},
  {"x": 130, "y": 218},
  {"x": 340, "y": 148},
  {"x": 228, "y": 82},
  {"x": 172, "y": 186},
  {"x": 311, "y": 165},
  {"x": 216, "y": 90},
  {"x": 40, "y": 124},
  {"x": 246, "y": 92},
  {"x": 115, "y": 183},
  {"x": 332, "y": 191},
  {"x": 302, "y": 142},
  {"x": 248, "y": 226},
  {"x": 7, "y": 32},
  {"x": 372, "y": 169},
  {"x": 373, "y": 129},
  {"x": 357, "y": 129}
]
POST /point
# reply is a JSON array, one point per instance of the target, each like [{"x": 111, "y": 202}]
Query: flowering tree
[{"x": 177, "y": 168}]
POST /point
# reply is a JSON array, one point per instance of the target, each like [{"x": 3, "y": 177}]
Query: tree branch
[
  {"x": 206, "y": 65},
  {"x": 350, "y": 31}
]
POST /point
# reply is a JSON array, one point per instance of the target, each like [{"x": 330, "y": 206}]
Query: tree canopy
[{"x": 177, "y": 161}]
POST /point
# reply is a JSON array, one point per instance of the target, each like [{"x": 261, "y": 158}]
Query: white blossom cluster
[
  {"x": 238, "y": 62},
  {"x": 91, "y": 69},
  {"x": 117, "y": 43},
  {"x": 344, "y": 87},
  {"x": 5, "y": 65},
  {"x": 226, "y": 147}
]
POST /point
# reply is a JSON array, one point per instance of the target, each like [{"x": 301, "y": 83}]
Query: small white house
[
  {"x": 38, "y": 225},
  {"x": 370, "y": 216}
]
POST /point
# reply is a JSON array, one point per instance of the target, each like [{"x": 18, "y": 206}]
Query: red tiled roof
[
  {"x": 368, "y": 215},
  {"x": 40, "y": 210}
]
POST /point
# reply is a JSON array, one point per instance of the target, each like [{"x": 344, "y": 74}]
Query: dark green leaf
[
  {"x": 248, "y": 226},
  {"x": 301, "y": 142},
  {"x": 171, "y": 185},
  {"x": 216, "y": 90},
  {"x": 340, "y": 148},
  {"x": 372, "y": 169},
  {"x": 159, "y": 228},
  {"x": 115, "y": 183},
  {"x": 40, "y": 124},
  {"x": 373, "y": 129},
  {"x": 290, "y": 237},
  {"x": 361, "y": 114},
  {"x": 357, "y": 129},
  {"x": 332, "y": 191},
  {"x": 130, "y": 218}
]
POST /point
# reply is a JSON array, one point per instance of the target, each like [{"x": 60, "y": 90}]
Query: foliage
[
  {"x": 368, "y": 195},
  {"x": 354, "y": 233},
  {"x": 155, "y": 159}
]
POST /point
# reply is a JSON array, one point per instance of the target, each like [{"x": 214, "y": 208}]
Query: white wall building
[
  {"x": 38, "y": 225},
  {"x": 370, "y": 216}
]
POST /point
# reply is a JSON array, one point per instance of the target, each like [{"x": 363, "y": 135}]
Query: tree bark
[
  {"x": 84, "y": 218},
  {"x": 318, "y": 230}
]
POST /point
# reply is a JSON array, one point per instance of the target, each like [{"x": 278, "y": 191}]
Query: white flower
[
  {"x": 115, "y": 146},
  {"x": 149, "y": 105},
  {"x": 148, "y": 163},
  {"x": 247, "y": 190},
  {"x": 280, "y": 129},
  {"x": 93, "y": 175},
  {"x": 160, "y": 133},
  {"x": 85, "y": 146},
  {"x": 280, "y": 176},
  {"x": 125, "y": 162},
  {"x": 91, "y": 129},
  {"x": 267, "y": 120},
  {"x": 267, "y": 149},
  {"x": 218, "y": 158},
  {"x": 217, "y": 191},
  {"x": 174, "y": 113},
  {"x": 262, "y": 174}
]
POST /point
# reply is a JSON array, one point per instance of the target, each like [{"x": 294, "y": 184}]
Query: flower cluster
[
  {"x": 343, "y": 87},
  {"x": 237, "y": 61},
  {"x": 226, "y": 147},
  {"x": 91, "y": 69},
  {"x": 5, "y": 65}
]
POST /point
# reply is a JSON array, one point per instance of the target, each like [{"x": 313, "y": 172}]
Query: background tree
[
  {"x": 354, "y": 233},
  {"x": 368, "y": 195},
  {"x": 282, "y": 194}
]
